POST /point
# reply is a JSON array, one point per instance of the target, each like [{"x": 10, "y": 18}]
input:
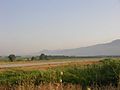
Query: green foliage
[
  {"x": 32, "y": 58},
  {"x": 105, "y": 73},
  {"x": 12, "y": 57},
  {"x": 42, "y": 57},
  {"x": 101, "y": 74}
]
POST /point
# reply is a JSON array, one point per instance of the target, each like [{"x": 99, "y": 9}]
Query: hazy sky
[{"x": 32, "y": 25}]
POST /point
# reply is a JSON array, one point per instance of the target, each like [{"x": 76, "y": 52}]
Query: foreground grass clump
[{"x": 107, "y": 72}]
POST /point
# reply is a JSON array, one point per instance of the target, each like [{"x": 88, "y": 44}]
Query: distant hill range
[{"x": 106, "y": 49}]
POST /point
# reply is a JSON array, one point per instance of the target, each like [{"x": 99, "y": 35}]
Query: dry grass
[
  {"x": 48, "y": 66},
  {"x": 58, "y": 86}
]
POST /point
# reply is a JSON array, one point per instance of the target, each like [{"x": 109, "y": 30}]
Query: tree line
[{"x": 12, "y": 57}]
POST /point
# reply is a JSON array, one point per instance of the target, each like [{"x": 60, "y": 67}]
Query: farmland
[{"x": 78, "y": 74}]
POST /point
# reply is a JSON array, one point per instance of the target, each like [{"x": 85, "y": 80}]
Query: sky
[{"x": 28, "y": 26}]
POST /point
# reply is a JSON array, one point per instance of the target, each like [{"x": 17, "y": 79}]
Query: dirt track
[{"x": 28, "y": 64}]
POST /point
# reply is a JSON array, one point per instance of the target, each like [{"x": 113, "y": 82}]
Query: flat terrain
[{"x": 38, "y": 65}]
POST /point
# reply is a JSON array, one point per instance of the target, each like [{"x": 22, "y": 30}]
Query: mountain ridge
[{"x": 111, "y": 48}]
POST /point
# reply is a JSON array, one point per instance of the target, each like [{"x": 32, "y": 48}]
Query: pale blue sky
[{"x": 32, "y": 25}]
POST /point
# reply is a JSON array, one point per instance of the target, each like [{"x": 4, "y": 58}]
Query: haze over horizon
[{"x": 32, "y": 25}]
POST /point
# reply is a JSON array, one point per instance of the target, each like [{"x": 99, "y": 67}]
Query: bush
[{"x": 12, "y": 57}]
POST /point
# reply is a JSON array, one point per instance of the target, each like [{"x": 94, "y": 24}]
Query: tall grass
[{"x": 102, "y": 75}]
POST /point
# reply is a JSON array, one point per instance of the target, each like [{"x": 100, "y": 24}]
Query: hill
[{"x": 112, "y": 48}]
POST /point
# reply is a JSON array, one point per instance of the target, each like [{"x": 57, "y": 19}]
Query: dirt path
[
  {"x": 31, "y": 64},
  {"x": 42, "y": 64}
]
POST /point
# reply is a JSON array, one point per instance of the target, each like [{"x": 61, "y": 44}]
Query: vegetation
[
  {"x": 103, "y": 74},
  {"x": 51, "y": 57},
  {"x": 107, "y": 72},
  {"x": 43, "y": 57},
  {"x": 12, "y": 57},
  {"x": 32, "y": 58}
]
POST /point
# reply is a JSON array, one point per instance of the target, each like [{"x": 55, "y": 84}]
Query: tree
[
  {"x": 12, "y": 57},
  {"x": 42, "y": 57},
  {"x": 33, "y": 58}
]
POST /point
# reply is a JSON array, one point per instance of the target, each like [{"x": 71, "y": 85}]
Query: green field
[{"x": 103, "y": 75}]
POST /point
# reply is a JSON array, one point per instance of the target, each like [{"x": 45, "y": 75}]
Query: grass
[
  {"x": 48, "y": 65},
  {"x": 53, "y": 60},
  {"x": 104, "y": 74}
]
